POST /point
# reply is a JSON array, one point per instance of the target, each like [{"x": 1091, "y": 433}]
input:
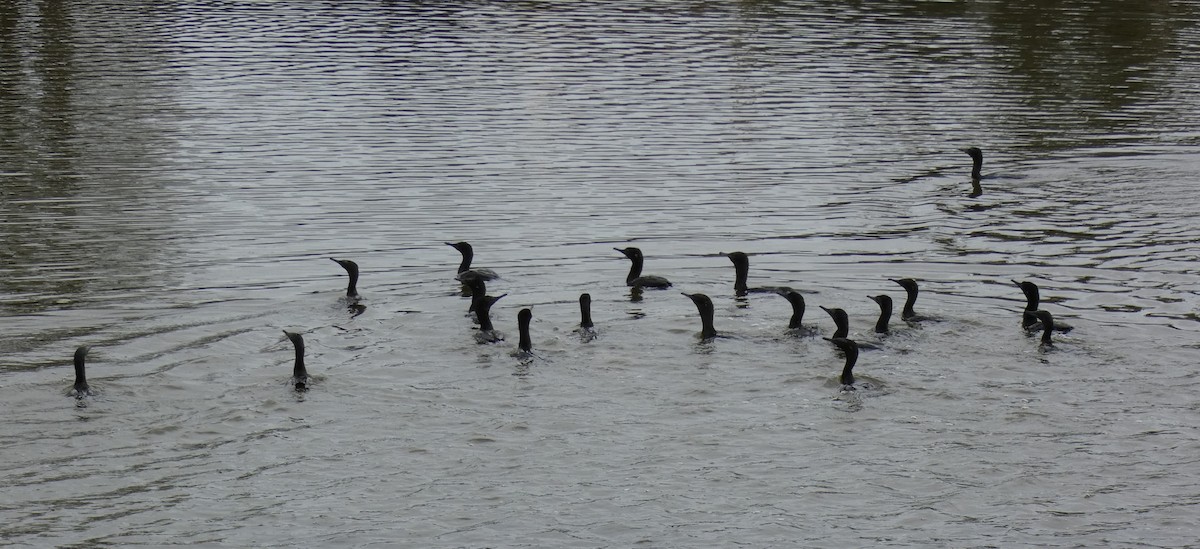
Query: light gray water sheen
[{"x": 174, "y": 176}]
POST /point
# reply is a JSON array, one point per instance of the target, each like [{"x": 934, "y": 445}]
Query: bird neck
[
  {"x": 483, "y": 315},
  {"x": 909, "y": 302},
  {"x": 797, "y": 313},
  {"x": 706, "y": 321},
  {"x": 466, "y": 260},
  {"x": 526, "y": 343},
  {"x": 635, "y": 270},
  {"x": 80, "y": 374},
  {"x": 885, "y": 314},
  {"x": 585, "y": 313},
  {"x": 742, "y": 268},
  {"x": 298, "y": 370},
  {"x": 848, "y": 370}
]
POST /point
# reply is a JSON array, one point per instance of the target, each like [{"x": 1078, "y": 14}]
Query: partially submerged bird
[
  {"x": 299, "y": 373},
  {"x": 840, "y": 319},
  {"x": 465, "y": 272},
  {"x": 1046, "y": 320},
  {"x": 910, "y": 287},
  {"x": 1029, "y": 319},
  {"x": 478, "y": 291},
  {"x": 525, "y": 344},
  {"x": 705, "y": 306},
  {"x": 585, "y": 311},
  {"x": 797, "y": 302},
  {"x": 741, "y": 265},
  {"x": 635, "y": 277},
  {"x": 81, "y": 388},
  {"x": 977, "y": 162},
  {"x": 850, "y": 349},
  {"x": 483, "y": 313},
  {"x": 352, "y": 270},
  {"x": 586, "y": 330},
  {"x": 885, "y": 312}
]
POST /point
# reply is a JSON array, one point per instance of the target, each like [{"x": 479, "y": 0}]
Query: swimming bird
[
  {"x": 885, "y": 312},
  {"x": 1029, "y": 319},
  {"x": 523, "y": 318},
  {"x": 741, "y": 265},
  {"x": 352, "y": 270},
  {"x": 705, "y": 306},
  {"x": 977, "y": 159},
  {"x": 850, "y": 348},
  {"x": 299, "y": 373},
  {"x": 465, "y": 272},
  {"x": 840, "y": 319},
  {"x": 585, "y": 311},
  {"x": 487, "y": 333},
  {"x": 1046, "y": 320},
  {"x": 797, "y": 302},
  {"x": 81, "y": 388},
  {"x": 910, "y": 287},
  {"x": 635, "y": 277},
  {"x": 478, "y": 291},
  {"x": 586, "y": 331}
]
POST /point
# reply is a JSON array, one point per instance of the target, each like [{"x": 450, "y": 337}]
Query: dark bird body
[
  {"x": 1029, "y": 319},
  {"x": 842, "y": 321},
  {"x": 635, "y": 278},
  {"x": 741, "y": 265},
  {"x": 465, "y": 272},
  {"x": 483, "y": 313}
]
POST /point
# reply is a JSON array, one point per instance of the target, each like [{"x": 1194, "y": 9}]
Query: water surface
[{"x": 175, "y": 176}]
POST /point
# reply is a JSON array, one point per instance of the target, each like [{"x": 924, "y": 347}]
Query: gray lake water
[{"x": 174, "y": 176}]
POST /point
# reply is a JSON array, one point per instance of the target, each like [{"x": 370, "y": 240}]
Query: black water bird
[
  {"x": 1046, "y": 320},
  {"x": 885, "y": 312},
  {"x": 478, "y": 290},
  {"x": 585, "y": 311},
  {"x": 81, "y": 388},
  {"x": 525, "y": 344},
  {"x": 352, "y": 270},
  {"x": 705, "y": 306},
  {"x": 635, "y": 277},
  {"x": 797, "y": 302},
  {"x": 1029, "y": 319},
  {"x": 850, "y": 348},
  {"x": 741, "y": 266},
  {"x": 586, "y": 331},
  {"x": 465, "y": 272},
  {"x": 840, "y": 319},
  {"x": 299, "y": 373},
  {"x": 910, "y": 287},
  {"x": 487, "y": 333},
  {"x": 977, "y": 162}
]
